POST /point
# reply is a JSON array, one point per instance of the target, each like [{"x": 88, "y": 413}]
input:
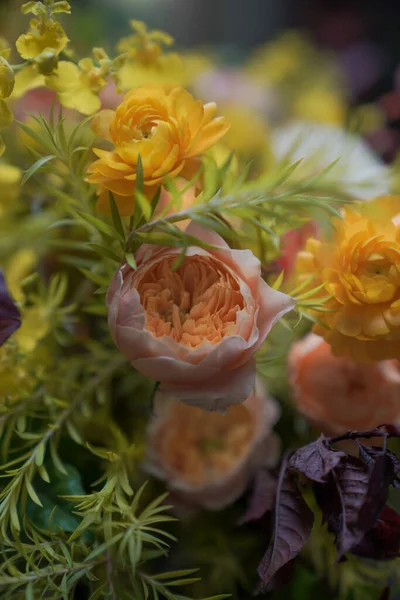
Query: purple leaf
[
  {"x": 316, "y": 460},
  {"x": 372, "y": 452},
  {"x": 10, "y": 319},
  {"x": 262, "y": 498},
  {"x": 293, "y": 521},
  {"x": 353, "y": 498},
  {"x": 380, "y": 477}
]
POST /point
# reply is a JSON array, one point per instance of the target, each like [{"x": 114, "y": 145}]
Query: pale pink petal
[
  {"x": 205, "y": 235},
  {"x": 231, "y": 387}
]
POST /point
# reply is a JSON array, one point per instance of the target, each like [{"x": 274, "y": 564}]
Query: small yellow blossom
[
  {"x": 320, "y": 104},
  {"x": 279, "y": 59},
  {"x": 144, "y": 60},
  {"x": 6, "y": 118},
  {"x": 145, "y": 46},
  {"x": 27, "y": 79},
  {"x": 6, "y": 88},
  {"x": 45, "y": 34},
  {"x": 163, "y": 125},
  {"x": 35, "y": 326},
  {"x": 360, "y": 270},
  {"x": 248, "y": 134},
  {"x": 78, "y": 86},
  {"x": 10, "y": 178},
  {"x": 20, "y": 265},
  {"x": 7, "y": 78},
  {"x": 15, "y": 378}
]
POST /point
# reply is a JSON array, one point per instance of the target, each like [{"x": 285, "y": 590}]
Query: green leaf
[
  {"x": 142, "y": 206},
  {"x": 174, "y": 574},
  {"x": 35, "y": 167},
  {"x": 95, "y": 277},
  {"x": 54, "y": 512},
  {"x": 101, "y": 226},
  {"x": 42, "y": 141},
  {"x": 188, "y": 581},
  {"x": 139, "y": 175},
  {"x": 105, "y": 252},
  {"x": 155, "y": 199},
  {"x": 116, "y": 217},
  {"x": 96, "y": 309},
  {"x": 130, "y": 259}
]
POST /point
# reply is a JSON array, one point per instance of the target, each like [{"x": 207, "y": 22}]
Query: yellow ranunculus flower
[
  {"x": 162, "y": 124},
  {"x": 360, "y": 269},
  {"x": 45, "y": 34},
  {"x": 78, "y": 86}
]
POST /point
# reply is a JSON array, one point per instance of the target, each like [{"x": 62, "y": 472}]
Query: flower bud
[
  {"x": 7, "y": 78},
  {"x": 47, "y": 61}
]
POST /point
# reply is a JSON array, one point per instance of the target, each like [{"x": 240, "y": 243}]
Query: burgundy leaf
[
  {"x": 382, "y": 541},
  {"x": 329, "y": 502},
  {"x": 293, "y": 521},
  {"x": 381, "y": 475},
  {"x": 353, "y": 498},
  {"x": 385, "y": 594},
  {"x": 372, "y": 453},
  {"x": 10, "y": 319},
  {"x": 262, "y": 497},
  {"x": 316, "y": 460}
]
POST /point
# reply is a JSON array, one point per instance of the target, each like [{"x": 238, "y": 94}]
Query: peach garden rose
[
  {"x": 336, "y": 393},
  {"x": 207, "y": 459},
  {"x": 195, "y": 329}
]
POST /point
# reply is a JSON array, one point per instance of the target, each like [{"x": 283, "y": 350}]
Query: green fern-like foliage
[{"x": 74, "y": 510}]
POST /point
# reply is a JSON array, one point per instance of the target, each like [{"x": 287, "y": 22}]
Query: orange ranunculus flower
[
  {"x": 207, "y": 459},
  {"x": 166, "y": 127},
  {"x": 336, "y": 393},
  {"x": 360, "y": 268}
]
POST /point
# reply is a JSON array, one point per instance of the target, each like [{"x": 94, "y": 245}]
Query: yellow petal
[
  {"x": 7, "y": 78},
  {"x": 6, "y": 116},
  {"x": 27, "y": 79},
  {"x": 43, "y": 35},
  {"x": 101, "y": 123},
  {"x": 210, "y": 135}
]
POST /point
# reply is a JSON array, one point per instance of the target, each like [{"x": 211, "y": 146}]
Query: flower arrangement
[{"x": 163, "y": 260}]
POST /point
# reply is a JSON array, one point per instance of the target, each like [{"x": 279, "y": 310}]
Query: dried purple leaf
[
  {"x": 262, "y": 497},
  {"x": 316, "y": 460},
  {"x": 293, "y": 521},
  {"x": 10, "y": 318}
]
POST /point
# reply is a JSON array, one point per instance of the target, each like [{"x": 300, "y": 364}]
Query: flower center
[
  {"x": 136, "y": 122},
  {"x": 199, "y": 446},
  {"x": 196, "y": 304}
]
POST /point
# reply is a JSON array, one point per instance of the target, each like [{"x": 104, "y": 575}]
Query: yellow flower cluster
[{"x": 359, "y": 268}]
